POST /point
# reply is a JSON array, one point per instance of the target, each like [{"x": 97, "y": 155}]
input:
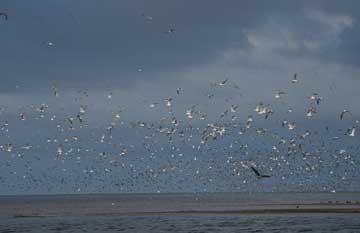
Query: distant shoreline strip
[
  {"x": 203, "y": 212},
  {"x": 254, "y": 211}
]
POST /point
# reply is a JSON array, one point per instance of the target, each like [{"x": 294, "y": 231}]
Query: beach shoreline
[
  {"x": 177, "y": 204},
  {"x": 184, "y": 212}
]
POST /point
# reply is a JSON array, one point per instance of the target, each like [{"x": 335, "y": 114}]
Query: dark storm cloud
[{"x": 100, "y": 43}]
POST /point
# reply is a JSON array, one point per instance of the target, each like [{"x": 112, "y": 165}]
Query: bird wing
[
  {"x": 4, "y": 14},
  {"x": 256, "y": 171},
  {"x": 224, "y": 81},
  {"x": 341, "y": 115}
]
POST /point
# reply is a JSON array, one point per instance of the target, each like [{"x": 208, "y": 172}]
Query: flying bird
[
  {"x": 279, "y": 94},
  {"x": 310, "y": 112},
  {"x": 153, "y": 105},
  {"x": 233, "y": 108},
  {"x": 23, "y": 116},
  {"x": 351, "y": 132},
  {"x": 258, "y": 175},
  {"x": 55, "y": 90},
  {"x": 295, "y": 80},
  {"x": 148, "y": 18},
  {"x": 222, "y": 83},
  {"x": 4, "y": 15},
  {"x": 179, "y": 90},
  {"x": 343, "y": 113},
  {"x": 318, "y": 100},
  {"x": 168, "y": 102},
  {"x": 170, "y": 31},
  {"x": 48, "y": 43},
  {"x": 78, "y": 116},
  {"x": 291, "y": 125}
]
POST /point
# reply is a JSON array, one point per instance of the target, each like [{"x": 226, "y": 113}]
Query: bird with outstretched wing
[{"x": 258, "y": 175}]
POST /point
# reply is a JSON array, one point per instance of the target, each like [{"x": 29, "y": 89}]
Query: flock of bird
[
  {"x": 48, "y": 148},
  {"x": 193, "y": 151}
]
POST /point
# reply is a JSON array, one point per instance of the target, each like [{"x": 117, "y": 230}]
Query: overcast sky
[{"x": 140, "y": 52}]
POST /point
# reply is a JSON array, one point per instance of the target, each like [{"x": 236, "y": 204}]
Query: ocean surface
[{"x": 205, "y": 212}]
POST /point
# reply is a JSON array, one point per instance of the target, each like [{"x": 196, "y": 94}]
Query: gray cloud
[{"x": 101, "y": 44}]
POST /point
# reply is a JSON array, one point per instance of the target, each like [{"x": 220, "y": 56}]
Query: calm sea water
[
  {"x": 341, "y": 223},
  {"x": 115, "y": 213}
]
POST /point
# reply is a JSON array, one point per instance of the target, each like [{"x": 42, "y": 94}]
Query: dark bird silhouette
[
  {"x": 170, "y": 31},
  {"x": 258, "y": 175},
  {"x": 343, "y": 113},
  {"x": 295, "y": 79},
  {"x": 222, "y": 83},
  {"x": 6, "y": 17}
]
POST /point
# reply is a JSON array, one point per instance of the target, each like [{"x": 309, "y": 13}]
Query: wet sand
[{"x": 41, "y": 206}]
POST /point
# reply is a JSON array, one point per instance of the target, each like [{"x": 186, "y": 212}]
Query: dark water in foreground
[
  {"x": 190, "y": 223},
  {"x": 204, "y": 212}
]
